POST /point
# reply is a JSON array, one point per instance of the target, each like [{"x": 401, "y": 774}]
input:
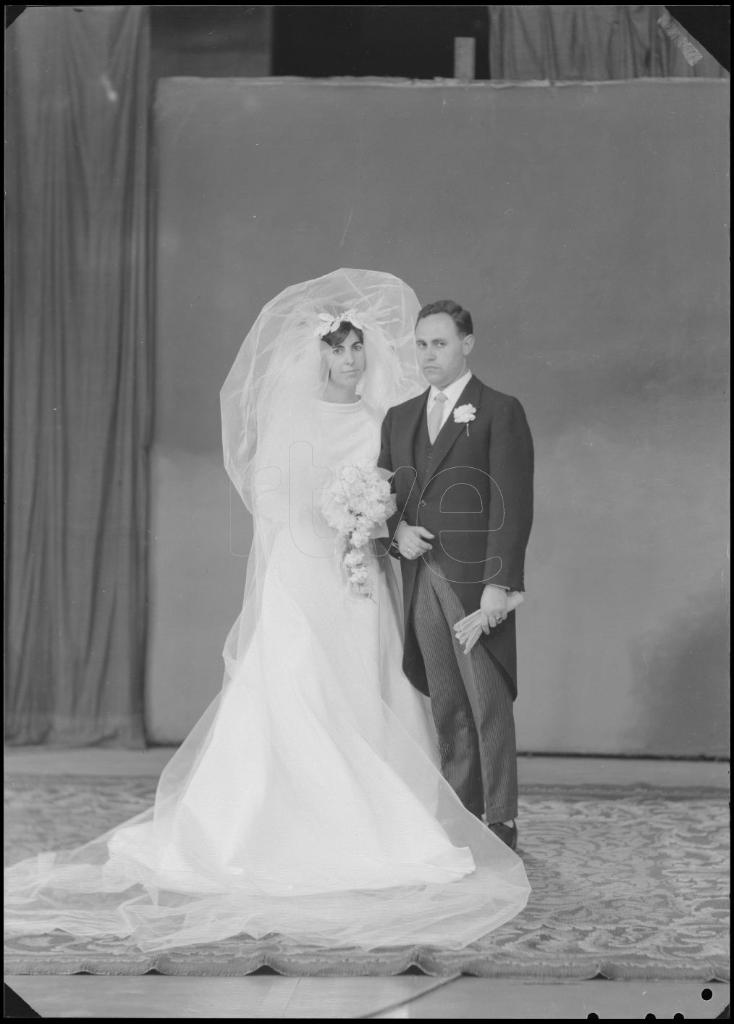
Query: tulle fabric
[
  {"x": 307, "y": 801},
  {"x": 271, "y": 424}
]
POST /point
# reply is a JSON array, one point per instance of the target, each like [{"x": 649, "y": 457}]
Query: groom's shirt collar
[{"x": 452, "y": 392}]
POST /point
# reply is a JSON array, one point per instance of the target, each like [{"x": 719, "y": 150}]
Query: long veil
[
  {"x": 269, "y": 401},
  {"x": 217, "y": 854}
]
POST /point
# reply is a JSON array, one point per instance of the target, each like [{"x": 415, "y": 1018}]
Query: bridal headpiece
[
  {"x": 329, "y": 322},
  {"x": 268, "y": 396}
]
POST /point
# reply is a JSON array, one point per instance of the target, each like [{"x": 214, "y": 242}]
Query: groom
[{"x": 462, "y": 458}]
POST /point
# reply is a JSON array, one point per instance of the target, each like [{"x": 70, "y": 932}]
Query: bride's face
[{"x": 346, "y": 361}]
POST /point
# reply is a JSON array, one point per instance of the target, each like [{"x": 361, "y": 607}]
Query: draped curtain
[
  {"x": 77, "y": 374},
  {"x": 592, "y": 42}
]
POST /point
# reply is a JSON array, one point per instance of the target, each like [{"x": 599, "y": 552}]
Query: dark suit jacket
[{"x": 476, "y": 496}]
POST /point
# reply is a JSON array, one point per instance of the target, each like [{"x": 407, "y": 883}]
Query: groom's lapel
[
  {"x": 450, "y": 431},
  {"x": 409, "y": 428}
]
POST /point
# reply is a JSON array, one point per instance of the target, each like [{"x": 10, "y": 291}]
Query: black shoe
[{"x": 507, "y": 833}]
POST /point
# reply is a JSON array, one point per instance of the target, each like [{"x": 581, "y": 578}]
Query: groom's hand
[
  {"x": 493, "y": 607},
  {"x": 412, "y": 541}
]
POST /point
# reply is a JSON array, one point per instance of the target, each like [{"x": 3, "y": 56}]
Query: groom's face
[{"x": 441, "y": 350}]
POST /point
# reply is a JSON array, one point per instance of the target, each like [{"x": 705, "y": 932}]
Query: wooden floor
[
  {"x": 376, "y": 998},
  {"x": 405, "y": 996}
]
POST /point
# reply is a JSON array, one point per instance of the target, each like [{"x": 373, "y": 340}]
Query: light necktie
[{"x": 436, "y": 415}]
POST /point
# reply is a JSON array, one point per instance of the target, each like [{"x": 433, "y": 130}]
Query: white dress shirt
[{"x": 452, "y": 392}]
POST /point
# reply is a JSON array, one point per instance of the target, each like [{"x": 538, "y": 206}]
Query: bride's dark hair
[{"x": 337, "y": 336}]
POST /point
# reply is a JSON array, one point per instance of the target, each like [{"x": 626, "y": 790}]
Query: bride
[{"x": 307, "y": 800}]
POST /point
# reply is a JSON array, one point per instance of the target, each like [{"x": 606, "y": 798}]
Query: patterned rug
[{"x": 628, "y": 883}]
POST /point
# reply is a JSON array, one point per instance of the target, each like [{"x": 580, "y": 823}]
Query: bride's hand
[
  {"x": 413, "y": 541},
  {"x": 379, "y": 530}
]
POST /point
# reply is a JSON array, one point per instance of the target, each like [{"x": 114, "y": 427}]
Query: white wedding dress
[{"x": 307, "y": 801}]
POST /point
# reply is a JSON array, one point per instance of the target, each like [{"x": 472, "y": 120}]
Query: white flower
[
  {"x": 354, "y": 319},
  {"x": 465, "y": 413},
  {"x": 329, "y": 322}
]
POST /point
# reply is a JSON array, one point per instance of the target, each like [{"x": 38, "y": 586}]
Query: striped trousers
[{"x": 471, "y": 704}]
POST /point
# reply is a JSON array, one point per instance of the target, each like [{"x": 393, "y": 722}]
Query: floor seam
[{"x": 440, "y": 983}]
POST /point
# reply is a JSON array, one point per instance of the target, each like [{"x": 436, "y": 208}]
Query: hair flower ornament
[
  {"x": 465, "y": 414},
  {"x": 329, "y": 322}
]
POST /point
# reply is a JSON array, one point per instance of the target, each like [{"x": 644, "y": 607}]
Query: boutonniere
[{"x": 465, "y": 414}]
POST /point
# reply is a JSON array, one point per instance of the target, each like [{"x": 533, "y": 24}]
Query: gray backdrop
[{"x": 585, "y": 227}]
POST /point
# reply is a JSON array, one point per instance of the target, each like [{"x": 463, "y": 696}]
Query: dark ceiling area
[
  {"x": 212, "y": 41},
  {"x": 394, "y": 41},
  {"x": 384, "y": 40}
]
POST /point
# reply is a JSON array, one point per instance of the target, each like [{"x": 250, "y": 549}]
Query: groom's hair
[{"x": 460, "y": 316}]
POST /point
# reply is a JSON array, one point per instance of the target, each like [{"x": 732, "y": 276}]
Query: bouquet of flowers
[{"x": 357, "y": 499}]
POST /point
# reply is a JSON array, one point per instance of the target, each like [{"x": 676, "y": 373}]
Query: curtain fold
[
  {"x": 592, "y": 42},
  {"x": 77, "y": 374}
]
